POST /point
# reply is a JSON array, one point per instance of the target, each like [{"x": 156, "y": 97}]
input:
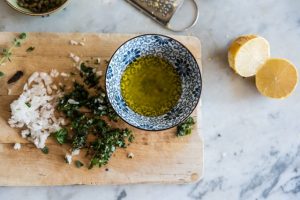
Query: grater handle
[{"x": 168, "y": 26}]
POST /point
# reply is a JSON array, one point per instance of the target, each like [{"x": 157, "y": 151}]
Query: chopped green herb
[
  {"x": 61, "y": 135},
  {"x": 186, "y": 127},
  {"x": 28, "y": 104},
  {"x": 89, "y": 76},
  {"x": 1, "y": 74},
  {"x": 30, "y": 49},
  {"x": 98, "y": 104},
  {"x": 45, "y": 150},
  {"x": 78, "y": 164},
  {"x": 131, "y": 138},
  {"x": 107, "y": 138},
  {"x": 103, "y": 148}
]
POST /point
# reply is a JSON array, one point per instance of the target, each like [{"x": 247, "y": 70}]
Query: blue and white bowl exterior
[{"x": 175, "y": 53}]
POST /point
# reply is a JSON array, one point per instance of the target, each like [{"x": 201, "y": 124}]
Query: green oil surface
[{"x": 151, "y": 86}]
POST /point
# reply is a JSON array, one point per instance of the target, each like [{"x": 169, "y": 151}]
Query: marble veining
[
  {"x": 266, "y": 179},
  {"x": 252, "y": 143},
  {"x": 291, "y": 186},
  {"x": 122, "y": 195}
]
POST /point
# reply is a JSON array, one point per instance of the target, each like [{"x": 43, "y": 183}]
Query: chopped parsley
[
  {"x": 45, "y": 150},
  {"x": 78, "y": 164},
  {"x": 103, "y": 148},
  {"x": 91, "y": 96},
  {"x": 186, "y": 127},
  {"x": 88, "y": 74},
  {"x": 61, "y": 135},
  {"x": 28, "y": 104}
]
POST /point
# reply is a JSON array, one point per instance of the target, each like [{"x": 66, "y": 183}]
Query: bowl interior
[
  {"x": 14, "y": 4},
  {"x": 182, "y": 60}
]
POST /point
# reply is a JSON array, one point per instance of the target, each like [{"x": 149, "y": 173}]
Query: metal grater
[{"x": 161, "y": 11}]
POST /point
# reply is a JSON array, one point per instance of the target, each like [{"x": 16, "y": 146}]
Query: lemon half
[
  {"x": 277, "y": 78},
  {"x": 247, "y": 54}
]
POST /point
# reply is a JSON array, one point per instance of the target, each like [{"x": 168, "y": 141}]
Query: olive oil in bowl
[{"x": 151, "y": 86}]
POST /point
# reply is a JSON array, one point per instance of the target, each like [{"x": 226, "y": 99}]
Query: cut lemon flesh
[
  {"x": 247, "y": 54},
  {"x": 277, "y": 78}
]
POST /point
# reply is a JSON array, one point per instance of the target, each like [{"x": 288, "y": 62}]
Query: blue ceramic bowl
[{"x": 182, "y": 60}]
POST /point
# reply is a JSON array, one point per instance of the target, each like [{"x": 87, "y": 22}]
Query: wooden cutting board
[{"x": 159, "y": 157}]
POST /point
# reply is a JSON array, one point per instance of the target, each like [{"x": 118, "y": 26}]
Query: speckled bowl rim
[
  {"x": 200, "y": 74},
  {"x": 29, "y": 13}
]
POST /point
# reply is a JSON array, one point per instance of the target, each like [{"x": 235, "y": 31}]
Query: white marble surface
[{"x": 252, "y": 144}]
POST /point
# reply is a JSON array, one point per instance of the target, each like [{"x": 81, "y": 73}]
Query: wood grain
[{"x": 159, "y": 157}]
